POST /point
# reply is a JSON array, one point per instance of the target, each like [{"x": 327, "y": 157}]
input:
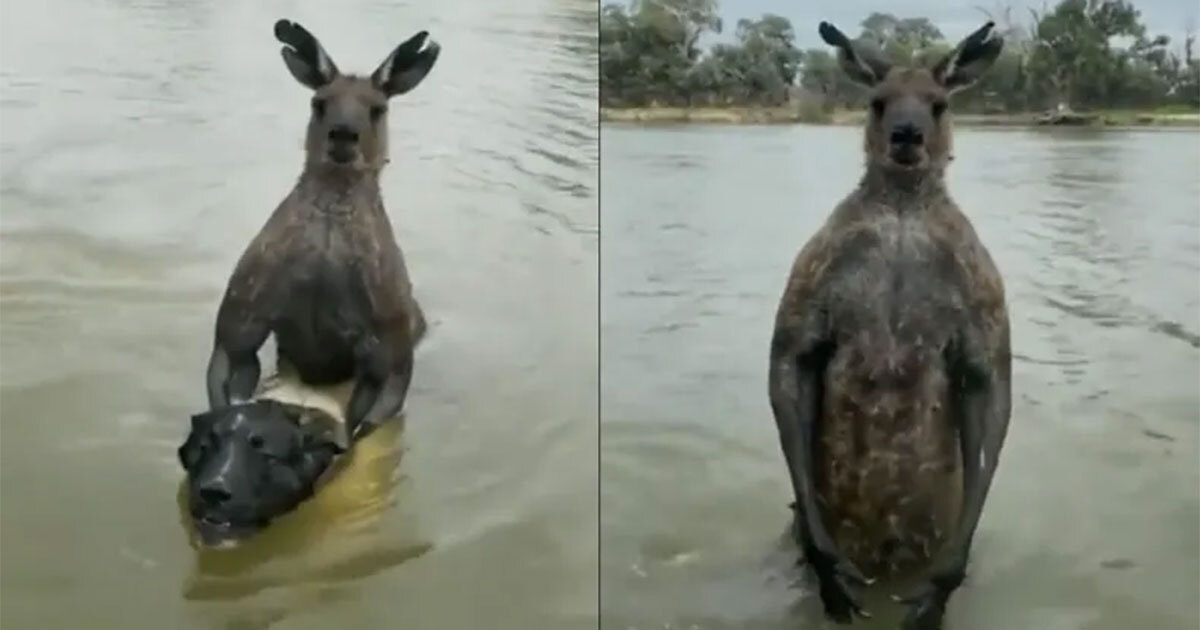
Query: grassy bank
[
  {"x": 1169, "y": 117},
  {"x": 713, "y": 115}
]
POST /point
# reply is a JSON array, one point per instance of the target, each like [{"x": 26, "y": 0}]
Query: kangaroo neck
[
  {"x": 340, "y": 191},
  {"x": 903, "y": 189}
]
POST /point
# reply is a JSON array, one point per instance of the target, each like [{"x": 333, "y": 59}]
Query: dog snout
[{"x": 215, "y": 493}]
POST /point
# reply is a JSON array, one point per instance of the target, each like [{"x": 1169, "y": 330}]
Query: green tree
[
  {"x": 643, "y": 55},
  {"x": 1079, "y": 53},
  {"x": 1072, "y": 49},
  {"x": 771, "y": 39},
  {"x": 681, "y": 22},
  {"x": 1186, "y": 88},
  {"x": 899, "y": 39}
]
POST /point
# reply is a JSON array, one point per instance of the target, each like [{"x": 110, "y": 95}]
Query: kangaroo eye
[
  {"x": 939, "y": 108},
  {"x": 878, "y": 105},
  {"x": 318, "y": 106},
  {"x": 377, "y": 112},
  {"x": 256, "y": 441}
]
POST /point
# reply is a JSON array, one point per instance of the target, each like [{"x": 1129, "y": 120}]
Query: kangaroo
[
  {"x": 890, "y": 366},
  {"x": 325, "y": 274},
  {"x": 327, "y": 278}
]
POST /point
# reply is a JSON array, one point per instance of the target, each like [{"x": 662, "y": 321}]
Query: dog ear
[
  {"x": 202, "y": 422},
  {"x": 189, "y": 453},
  {"x": 318, "y": 429},
  {"x": 321, "y": 433},
  {"x": 323, "y": 440}
]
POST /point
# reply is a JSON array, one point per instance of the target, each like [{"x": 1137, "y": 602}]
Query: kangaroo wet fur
[
  {"x": 890, "y": 366},
  {"x": 327, "y": 278},
  {"x": 325, "y": 274}
]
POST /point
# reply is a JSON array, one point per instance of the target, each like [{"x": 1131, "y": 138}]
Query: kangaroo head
[
  {"x": 348, "y": 125},
  {"x": 908, "y": 128}
]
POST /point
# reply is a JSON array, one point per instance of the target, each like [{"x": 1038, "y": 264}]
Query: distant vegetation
[{"x": 1082, "y": 54}]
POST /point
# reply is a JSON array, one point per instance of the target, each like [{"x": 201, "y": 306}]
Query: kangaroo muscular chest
[
  {"x": 887, "y": 463},
  {"x": 898, "y": 280},
  {"x": 331, "y": 296}
]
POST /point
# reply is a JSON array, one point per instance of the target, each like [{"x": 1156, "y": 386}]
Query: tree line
[{"x": 1083, "y": 54}]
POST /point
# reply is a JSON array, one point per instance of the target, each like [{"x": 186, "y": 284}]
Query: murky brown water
[
  {"x": 1094, "y": 520},
  {"x": 142, "y": 145}
]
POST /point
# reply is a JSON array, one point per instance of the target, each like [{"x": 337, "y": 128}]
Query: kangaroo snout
[
  {"x": 343, "y": 134},
  {"x": 343, "y": 144},
  {"x": 907, "y": 134},
  {"x": 907, "y": 143}
]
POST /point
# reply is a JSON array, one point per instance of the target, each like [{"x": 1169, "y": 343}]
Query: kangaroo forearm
[
  {"x": 374, "y": 401},
  {"x": 232, "y": 377}
]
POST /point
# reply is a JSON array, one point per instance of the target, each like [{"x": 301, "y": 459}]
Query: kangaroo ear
[
  {"x": 407, "y": 66},
  {"x": 972, "y": 57},
  {"x": 860, "y": 65},
  {"x": 305, "y": 58}
]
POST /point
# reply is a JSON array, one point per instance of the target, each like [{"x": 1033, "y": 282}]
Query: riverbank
[{"x": 794, "y": 115}]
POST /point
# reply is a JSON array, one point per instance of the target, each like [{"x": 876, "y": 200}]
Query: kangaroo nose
[
  {"x": 907, "y": 133},
  {"x": 214, "y": 494},
  {"x": 343, "y": 133}
]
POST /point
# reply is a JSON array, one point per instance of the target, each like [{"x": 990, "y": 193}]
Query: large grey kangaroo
[
  {"x": 890, "y": 363},
  {"x": 325, "y": 274}
]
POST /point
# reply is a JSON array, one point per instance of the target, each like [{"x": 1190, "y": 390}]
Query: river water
[
  {"x": 1093, "y": 519},
  {"x": 143, "y": 143}
]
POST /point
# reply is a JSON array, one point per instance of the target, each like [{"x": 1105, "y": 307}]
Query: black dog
[{"x": 252, "y": 462}]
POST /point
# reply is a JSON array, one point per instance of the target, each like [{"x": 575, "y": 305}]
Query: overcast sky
[{"x": 954, "y": 18}]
